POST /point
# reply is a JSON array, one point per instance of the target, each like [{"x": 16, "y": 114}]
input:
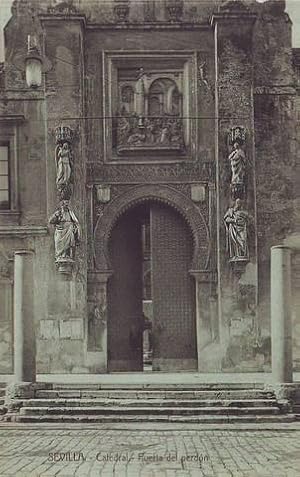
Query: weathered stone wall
[
  {"x": 61, "y": 343},
  {"x": 276, "y": 144}
]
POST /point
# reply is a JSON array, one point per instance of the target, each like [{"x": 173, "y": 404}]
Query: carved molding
[
  {"x": 121, "y": 173},
  {"x": 159, "y": 193}
]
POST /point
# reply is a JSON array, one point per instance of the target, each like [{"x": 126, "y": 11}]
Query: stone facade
[{"x": 189, "y": 105}]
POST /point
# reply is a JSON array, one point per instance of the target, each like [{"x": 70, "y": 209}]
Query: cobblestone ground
[{"x": 148, "y": 453}]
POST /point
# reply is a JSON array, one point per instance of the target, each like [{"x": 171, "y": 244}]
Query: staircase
[{"x": 210, "y": 403}]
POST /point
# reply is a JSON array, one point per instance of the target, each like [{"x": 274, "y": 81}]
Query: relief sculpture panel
[
  {"x": 149, "y": 99},
  {"x": 150, "y": 114}
]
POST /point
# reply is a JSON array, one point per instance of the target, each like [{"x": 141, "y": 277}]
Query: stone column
[
  {"x": 281, "y": 315},
  {"x": 24, "y": 331}
]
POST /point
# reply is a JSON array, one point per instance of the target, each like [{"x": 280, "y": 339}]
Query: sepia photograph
[{"x": 149, "y": 238}]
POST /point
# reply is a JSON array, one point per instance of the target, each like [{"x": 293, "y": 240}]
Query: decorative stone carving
[
  {"x": 149, "y": 11},
  {"x": 234, "y": 6},
  {"x": 155, "y": 173},
  {"x": 237, "y": 134},
  {"x": 103, "y": 193},
  {"x": 66, "y": 236},
  {"x": 23, "y": 7},
  {"x": 236, "y": 222},
  {"x": 175, "y": 10},
  {"x": 202, "y": 76},
  {"x": 63, "y": 8},
  {"x": 198, "y": 192},
  {"x": 238, "y": 162},
  {"x": 150, "y": 111},
  {"x": 4, "y": 264},
  {"x": 64, "y": 161},
  {"x": 96, "y": 327},
  {"x": 154, "y": 133},
  {"x": 159, "y": 193},
  {"x": 121, "y": 10}
]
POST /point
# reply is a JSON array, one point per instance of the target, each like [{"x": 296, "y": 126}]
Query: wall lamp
[{"x": 33, "y": 63}]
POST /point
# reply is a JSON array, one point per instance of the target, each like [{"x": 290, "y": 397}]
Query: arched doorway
[{"x": 151, "y": 251}]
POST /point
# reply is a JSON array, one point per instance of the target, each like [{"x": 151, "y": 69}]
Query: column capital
[
  {"x": 204, "y": 276},
  {"x": 99, "y": 276},
  {"x": 284, "y": 247},
  {"x": 24, "y": 252}
]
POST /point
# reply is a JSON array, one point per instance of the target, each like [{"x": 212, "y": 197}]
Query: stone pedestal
[
  {"x": 24, "y": 331},
  {"x": 281, "y": 316}
]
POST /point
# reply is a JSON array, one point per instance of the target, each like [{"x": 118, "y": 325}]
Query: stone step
[
  {"x": 2, "y": 392},
  {"x": 121, "y": 418},
  {"x": 146, "y": 403},
  {"x": 153, "y": 386},
  {"x": 148, "y": 410},
  {"x": 154, "y": 394}
]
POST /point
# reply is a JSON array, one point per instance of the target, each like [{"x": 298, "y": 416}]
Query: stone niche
[{"x": 149, "y": 98}]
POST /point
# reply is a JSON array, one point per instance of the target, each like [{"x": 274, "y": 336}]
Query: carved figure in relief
[
  {"x": 236, "y": 222},
  {"x": 96, "y": 327},
  {"x": 238, "y": 165},
  {"x": 63, "y": 160},
  {"x": 67, "y": 232}
]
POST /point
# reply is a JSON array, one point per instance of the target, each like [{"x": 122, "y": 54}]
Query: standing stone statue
[
  {"x": 236, "y": 224},
  {"x": 67, "y": 232},
  {"x": 237, "y": 160},
  {"x": 64, "y": 163}
]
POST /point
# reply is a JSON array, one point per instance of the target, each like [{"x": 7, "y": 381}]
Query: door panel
[
  {"x": 174, "y": 322},
  {"x": 125, "y": 309}
]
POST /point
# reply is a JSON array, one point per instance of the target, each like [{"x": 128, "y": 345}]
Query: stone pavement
[{"x": 154, "y": 451}]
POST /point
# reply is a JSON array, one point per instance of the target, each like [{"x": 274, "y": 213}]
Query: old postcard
[{"x": 149, "y": 238}]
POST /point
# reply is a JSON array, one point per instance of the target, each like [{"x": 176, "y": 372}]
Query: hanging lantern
[{"x": 33, "y": 65}]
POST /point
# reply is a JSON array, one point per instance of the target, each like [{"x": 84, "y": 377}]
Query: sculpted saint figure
[
  {"x": 238, "y": 165},
  {"x": 63, "y": 160},
  {"x": 236, "y": 224},
  {"x": 67, "y": 231}
]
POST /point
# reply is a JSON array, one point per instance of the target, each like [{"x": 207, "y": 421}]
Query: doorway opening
[{"x": 151, "y": 295}]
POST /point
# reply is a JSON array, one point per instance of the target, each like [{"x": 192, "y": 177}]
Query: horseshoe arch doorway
[{"x": 151, "y": 295}]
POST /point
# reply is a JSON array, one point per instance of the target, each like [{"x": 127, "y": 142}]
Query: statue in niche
[
  {"x": 237, "y": 160},
  {"x": 236, "y": 222},
  {"x": 67, "y": 232},
  {"x": 64, "y": 165}
]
